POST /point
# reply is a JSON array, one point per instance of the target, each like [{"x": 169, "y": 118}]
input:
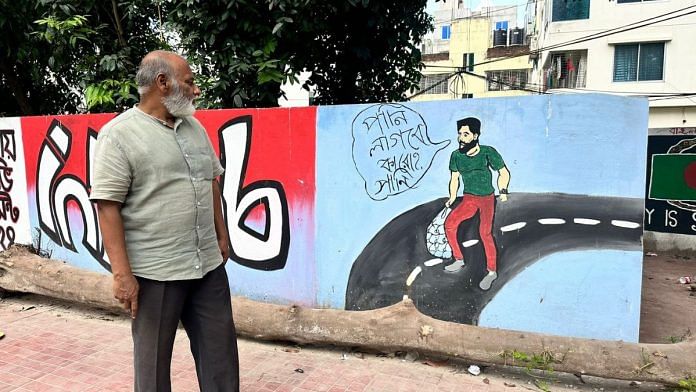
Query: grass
[
  {"x": 543, "y": 361},
  {"x": 686, "y": 385}
]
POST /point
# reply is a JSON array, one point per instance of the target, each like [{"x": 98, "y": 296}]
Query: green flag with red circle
[{"x": 673, "y": 177}]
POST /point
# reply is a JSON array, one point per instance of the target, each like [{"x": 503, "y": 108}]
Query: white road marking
[
  {"x": 413, "y": 275},
  {"x": 470, "y": 243},
  {"x": 585, "y": 221},
  {"x": 514, "y": 226},
  {"x": 552, "y": 221},
  {"x": 625, "y": 224},
  {"x": 432, "y": 262}
]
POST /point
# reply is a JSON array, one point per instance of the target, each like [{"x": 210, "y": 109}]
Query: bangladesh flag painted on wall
[{"x": 673, "y": 177}]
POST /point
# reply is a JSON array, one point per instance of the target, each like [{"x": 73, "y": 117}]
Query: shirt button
[
  {"x": 198, "y": 250},
  {"x": 198, "y": 203},
  {"x": 197, "y": 267},
  {"x": 198, "y": 227}
]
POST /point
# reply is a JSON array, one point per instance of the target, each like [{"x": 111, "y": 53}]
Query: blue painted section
[
  {"x": 82, "y": 258},
  {"x": 586, "y": 294},
  {"x": 589, "y": 144}
]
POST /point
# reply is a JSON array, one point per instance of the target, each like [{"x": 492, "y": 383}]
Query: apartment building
[
  {"x": 628, "y": 47},
  {"x": 463, "y": 39}
]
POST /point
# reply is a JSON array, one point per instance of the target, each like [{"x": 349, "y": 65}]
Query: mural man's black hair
[{"x": 473, "y": 123}]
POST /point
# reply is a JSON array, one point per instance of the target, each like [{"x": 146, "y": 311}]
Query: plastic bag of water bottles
[{"x": 435, "y": 238}]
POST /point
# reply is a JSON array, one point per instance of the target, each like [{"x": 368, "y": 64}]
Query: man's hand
[
  {"x": 502, "y": 197},
  {"x": 126, "y": 290},
  {"x": 449, "y": 202},
  {"x": 224, "y": 245}
]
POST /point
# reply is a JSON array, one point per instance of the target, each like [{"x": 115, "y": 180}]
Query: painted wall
[
  {"x": 330, "y": 206},
  {"x": 670, "y": 201}
]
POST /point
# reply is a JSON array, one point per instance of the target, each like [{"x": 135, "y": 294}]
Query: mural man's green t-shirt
[{"x": 475, "y": 170}]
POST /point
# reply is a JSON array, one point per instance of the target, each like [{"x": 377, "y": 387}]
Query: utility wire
[
  {"x": 605, "y": 33},
  {"x": 494, "y": 11}
]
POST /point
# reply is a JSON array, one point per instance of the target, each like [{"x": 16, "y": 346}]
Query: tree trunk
[{"x": 398, "y": 327}]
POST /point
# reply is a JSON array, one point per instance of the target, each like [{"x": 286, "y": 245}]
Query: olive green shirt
[
  {"x": 163, "y": 178},
  {"x": 475, "y": 171}
]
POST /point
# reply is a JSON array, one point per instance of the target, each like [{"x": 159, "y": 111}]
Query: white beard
[{"x": 177, "y": 104}]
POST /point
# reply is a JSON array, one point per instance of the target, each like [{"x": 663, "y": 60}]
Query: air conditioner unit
[
  {"x": 517, "y": 36},
  {"x": 499, "y": 37}
]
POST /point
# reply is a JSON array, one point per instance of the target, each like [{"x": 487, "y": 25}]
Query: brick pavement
[{"x": 54, "y": 346}]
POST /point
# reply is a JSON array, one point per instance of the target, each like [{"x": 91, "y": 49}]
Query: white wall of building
[
  {"x": 295, "y": 95},
  {"x": 677, "y": 34}
]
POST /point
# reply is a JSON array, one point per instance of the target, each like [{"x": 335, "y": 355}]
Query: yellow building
[{"x": 466, "y": 42}]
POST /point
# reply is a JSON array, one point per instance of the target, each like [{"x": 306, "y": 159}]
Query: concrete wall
[
  {"x": 350, "y": 192},
  {"x": 670, "y": 197}
]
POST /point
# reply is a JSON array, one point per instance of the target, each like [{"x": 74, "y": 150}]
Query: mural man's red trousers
[{"x": 485, "y": 205}]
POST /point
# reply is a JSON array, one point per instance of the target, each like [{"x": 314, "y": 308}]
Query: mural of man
[
  {"x": 155, "y": 185},
  {"x": 473, "y": 163}
]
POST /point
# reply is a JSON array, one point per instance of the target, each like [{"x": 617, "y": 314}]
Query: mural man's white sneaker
[
  {"x": 456, "y": 266},
  {"x": 487, "y": 280}
]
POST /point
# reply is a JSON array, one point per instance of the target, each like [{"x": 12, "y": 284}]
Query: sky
[{"x": 473, "y": 4}]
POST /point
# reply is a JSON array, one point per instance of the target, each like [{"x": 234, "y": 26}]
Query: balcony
[
  {"x": 565, "y": 70},
  {"x": 435, "y": 46}
]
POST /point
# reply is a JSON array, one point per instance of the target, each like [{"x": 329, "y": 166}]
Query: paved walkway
[{"x": 53, "y": 346}]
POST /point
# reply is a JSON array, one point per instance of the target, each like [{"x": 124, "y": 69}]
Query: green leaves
[
  {"x": 68, "y": 56},
  {"x": 109, "y": 92},
  {"x": 241, "y": 50}
]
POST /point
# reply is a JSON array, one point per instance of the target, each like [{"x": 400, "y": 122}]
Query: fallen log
[{"x": 400, "y": 327}]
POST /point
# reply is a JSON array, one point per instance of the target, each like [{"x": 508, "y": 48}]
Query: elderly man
[{"x": 160, "y": 215}]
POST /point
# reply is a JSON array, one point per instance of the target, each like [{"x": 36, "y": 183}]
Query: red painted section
[
  {"x": 282, "y": 146},
  {"x": 34, "y": 130},
  {"x": 690, "y": 175}
]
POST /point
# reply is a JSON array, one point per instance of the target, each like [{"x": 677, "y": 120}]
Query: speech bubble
[{"x": 392, "y": 150}]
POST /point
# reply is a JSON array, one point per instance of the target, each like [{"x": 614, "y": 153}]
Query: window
[
  {"x": 638, "y": 62},
  {"x": 565, "y": 70},
  {"x": 446, "y": 32},
  {"x": 502, "y": 25},
  {"x": 570, "y": 10},
  {"x": 467, "y": 96},
  {"x": 514, "y": 79},
  {"x": 439, "y": 81},
  {"x": 468, "y": 62}
]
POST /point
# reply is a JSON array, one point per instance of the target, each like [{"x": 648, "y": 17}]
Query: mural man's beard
[
  {"x": 465, "y": 147},
  {"x": 177, "y": 103}
]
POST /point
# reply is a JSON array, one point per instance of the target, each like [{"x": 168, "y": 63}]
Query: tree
[
  {"x": 237, "y": 48},
  {"x": 356, "y": 50},
  {"x": 59, "y": 56},
  {"x": 66, "y": 56},
  {"x": 362, "y": 51}
]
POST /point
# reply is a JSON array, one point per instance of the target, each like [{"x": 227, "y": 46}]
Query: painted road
[{"x": 527, "y": 227}]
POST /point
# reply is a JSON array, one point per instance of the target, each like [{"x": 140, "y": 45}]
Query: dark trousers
[{"x": 205, "y": 310}]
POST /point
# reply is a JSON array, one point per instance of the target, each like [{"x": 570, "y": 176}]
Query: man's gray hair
[{"x": 153, "y": 64}]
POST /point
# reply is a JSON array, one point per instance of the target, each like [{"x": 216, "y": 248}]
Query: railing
[{"x": 566, "y": 70}]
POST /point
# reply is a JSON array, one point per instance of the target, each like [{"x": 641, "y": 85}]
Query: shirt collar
[{"x": 177, "y": 120}]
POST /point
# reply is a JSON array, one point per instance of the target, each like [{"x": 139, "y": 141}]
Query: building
[
  {"x": 621, "y": 47},
  {"x": 464, "y": 38},
  {"x": 634, "y": 48}
]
